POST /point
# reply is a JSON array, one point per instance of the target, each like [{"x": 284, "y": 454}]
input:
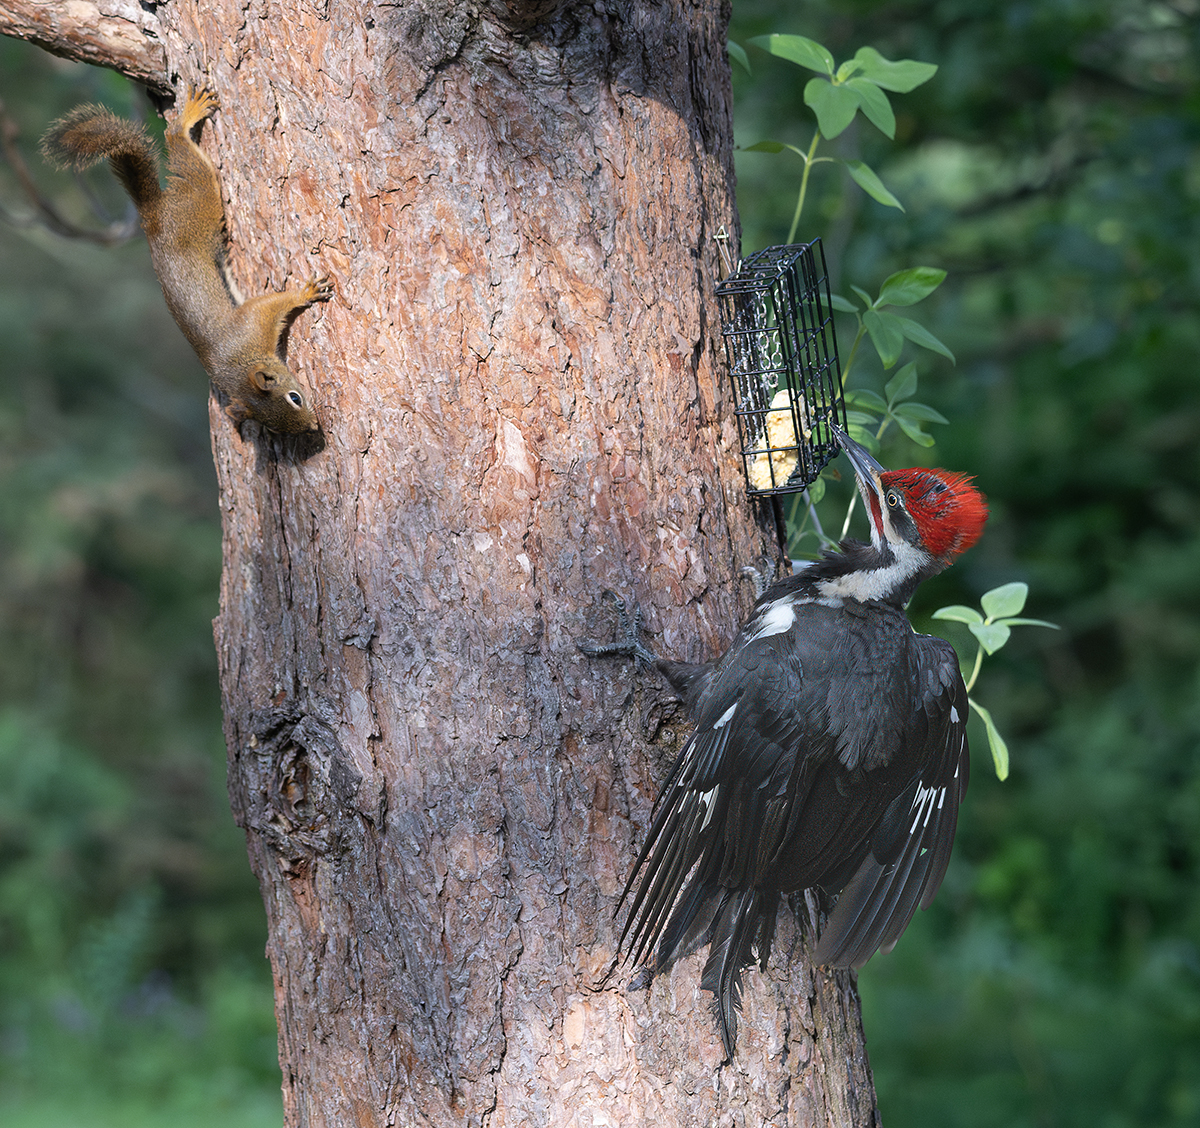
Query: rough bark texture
[{"x": 523, "y": 404}]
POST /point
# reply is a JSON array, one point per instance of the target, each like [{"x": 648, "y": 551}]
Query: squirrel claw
[
  {"x": 200, "y": 103},
  {"x": 318, "y": 289}
]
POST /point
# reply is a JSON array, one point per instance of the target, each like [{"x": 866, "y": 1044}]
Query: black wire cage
[{"x": 777, "y": 322}]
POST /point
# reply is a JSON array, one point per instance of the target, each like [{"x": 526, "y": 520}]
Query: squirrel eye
[
  {"x": 893, "y": 498},
  {"x": 296, "y": 398}
]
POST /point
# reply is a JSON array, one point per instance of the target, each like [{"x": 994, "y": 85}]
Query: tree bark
[
  {"x": 111, "y": 33},
  {"x": 523, "y": 404}
]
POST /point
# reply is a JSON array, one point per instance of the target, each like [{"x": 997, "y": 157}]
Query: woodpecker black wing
[
  {"x": 829, "y": 749},
  {"x": 725, "y": 814},
  {"x": 910, "y": 847},
  {"x": 725, "y": 802}
]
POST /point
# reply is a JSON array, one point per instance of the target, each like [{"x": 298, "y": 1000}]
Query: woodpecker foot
[
  {"x": 627, "y": 644},
  {"x": 760, "y": 578}
]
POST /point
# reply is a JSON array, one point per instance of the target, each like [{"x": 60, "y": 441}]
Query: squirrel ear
[{"x": 261, "y": 379}]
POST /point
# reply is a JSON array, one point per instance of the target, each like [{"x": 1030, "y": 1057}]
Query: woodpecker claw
[
  {"x": 628, "y": 644},
  {"x": 760, "y": 578}
]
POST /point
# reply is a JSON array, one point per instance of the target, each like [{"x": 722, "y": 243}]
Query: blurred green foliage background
[
  {"x": 133, "y": 986},
  {"x": 1052, "y": 168}
]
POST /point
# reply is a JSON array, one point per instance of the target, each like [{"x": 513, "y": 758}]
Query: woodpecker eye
[
  {"x": 296, "y": 398},
  {"x": 893, "y": 499}
]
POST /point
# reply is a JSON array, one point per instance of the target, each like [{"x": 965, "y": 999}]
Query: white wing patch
[
  {"x": 776, "y": 618},
  {"x": 707, "y": 797},
  {"x": 925, "y": 802},
  {"x": 725, "y": 717}
]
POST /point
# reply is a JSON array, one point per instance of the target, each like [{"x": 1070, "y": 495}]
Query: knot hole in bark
[{"x": 302, "y": 785}]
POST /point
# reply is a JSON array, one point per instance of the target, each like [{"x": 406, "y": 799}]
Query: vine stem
[
  {"x": 808, "y": 163},
  {"x": 812, "y": 509},
  {"x": 862, "y": 332},
  {"x": 975, "y": 671}
]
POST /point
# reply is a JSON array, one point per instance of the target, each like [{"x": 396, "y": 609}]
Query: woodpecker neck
[{"x": 868, "y": 572}]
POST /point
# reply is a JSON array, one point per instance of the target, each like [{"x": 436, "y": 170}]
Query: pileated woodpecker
[{"x": 830, "y": 751}]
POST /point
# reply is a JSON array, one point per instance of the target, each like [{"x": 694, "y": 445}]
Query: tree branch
[{"x": 107, "y": 33}]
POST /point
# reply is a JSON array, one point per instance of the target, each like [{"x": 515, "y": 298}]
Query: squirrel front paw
[
  {"x": 201, "y": 103},
  {"x": 317, "y": 290}
]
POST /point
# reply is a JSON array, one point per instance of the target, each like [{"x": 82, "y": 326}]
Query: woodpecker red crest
[
  {"x": 830, "y": 751},
  {"x": 949, "y": 512}
]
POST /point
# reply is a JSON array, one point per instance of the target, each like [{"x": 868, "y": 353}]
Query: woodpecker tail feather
[
  {"x": 690, "y": 924},
  {"x": 744, "y": 923},
  {"x": 90, "y": 133}
]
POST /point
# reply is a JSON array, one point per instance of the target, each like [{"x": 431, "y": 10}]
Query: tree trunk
[{"x": 523, "y": 403}]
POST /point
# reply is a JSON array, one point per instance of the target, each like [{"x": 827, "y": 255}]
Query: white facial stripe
[{"x": 907, "y": 561}]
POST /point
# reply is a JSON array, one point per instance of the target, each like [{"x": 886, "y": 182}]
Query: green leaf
[
  {"x": 796, "y": 49},
  {"x": 849, "y": 67},
  {"x": 841, "y": 304},
  {"x": 901, "y": 76},
  {"x": 1008, "y": 599},
  {"x": 738, "y": 54},
  {"x": 995, "y": 740},
  {"x": 919, "y": 335},
  {"x": 957, "y": 613},
  {"x": 907, "y": 287},
  {"x": 816, "y": 491},
  {"x": 862, "y": 436},
  {"x": 903, "y": 384},
  {"x": 920, "y": 412},
  {"x": 885, "y": 335},
  {"x": 766, "y": 147},
  {"x": 1029, "y": 623},
  {"x": 874, "y": 104},
  {"x": 864, "y": 397},
  {"x": 866, "y": 298},
  {"x": 914, "y": 432},
  {"x": 871, "y": 184},
  {"x": 991, "y": 636},
  {"x": 862, "y": 418},
  {"x": 835, "y": 106}
]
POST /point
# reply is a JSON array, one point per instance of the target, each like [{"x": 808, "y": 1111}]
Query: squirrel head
[{"x": 274, "y": 399}]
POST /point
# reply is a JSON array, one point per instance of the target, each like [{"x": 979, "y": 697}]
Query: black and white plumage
[{"x": 830, "y": 751}]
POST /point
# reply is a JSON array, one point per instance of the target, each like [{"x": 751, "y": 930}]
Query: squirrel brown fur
[{"x": 237, "y": 342}]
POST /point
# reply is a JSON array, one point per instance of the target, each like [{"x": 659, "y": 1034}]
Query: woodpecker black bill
[{"x": 830, "y": 751}]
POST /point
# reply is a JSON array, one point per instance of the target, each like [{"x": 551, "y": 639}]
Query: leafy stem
[
  {"x": 970, "y": 682},
  {"x": 810, "y": 159},
  {"x": 862, "y": 332},
  {"x": 836, "y": 96},
  {"x": 992, "y": 628}
]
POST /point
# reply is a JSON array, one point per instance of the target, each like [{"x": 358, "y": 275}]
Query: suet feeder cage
[{"x": 777, "y": 322}]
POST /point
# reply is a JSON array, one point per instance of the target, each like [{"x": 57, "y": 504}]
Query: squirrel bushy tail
[
  {"x": 90, "y": 133},
  {"x": 239, "y": 343}
]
